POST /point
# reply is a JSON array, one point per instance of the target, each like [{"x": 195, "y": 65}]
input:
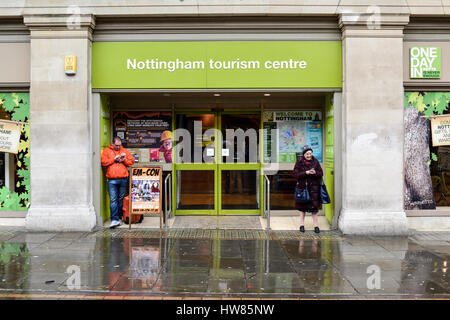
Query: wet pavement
[{"x": 222, "y": 264}]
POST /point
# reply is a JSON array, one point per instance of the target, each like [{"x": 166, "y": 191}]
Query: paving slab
[{"x": 216, "y": 263}]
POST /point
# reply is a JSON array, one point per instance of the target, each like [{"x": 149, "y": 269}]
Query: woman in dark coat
[{"x": 308, "y": 169}]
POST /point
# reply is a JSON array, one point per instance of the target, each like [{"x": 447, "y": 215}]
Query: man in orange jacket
[{"x": 116, "y": 159}]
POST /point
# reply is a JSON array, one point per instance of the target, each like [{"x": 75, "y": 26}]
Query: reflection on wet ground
[{"x": 277, "y": 264}]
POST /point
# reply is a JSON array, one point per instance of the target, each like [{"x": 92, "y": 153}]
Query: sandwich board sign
[{"x": 145, "y": 191}]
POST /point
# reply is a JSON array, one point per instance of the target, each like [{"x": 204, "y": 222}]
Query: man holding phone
[{"x": 116, "y": 159}]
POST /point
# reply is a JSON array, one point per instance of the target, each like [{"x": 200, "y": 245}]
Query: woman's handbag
[
  {"x": 302, "y": 195},
  {"x": 324, "y": 196}
]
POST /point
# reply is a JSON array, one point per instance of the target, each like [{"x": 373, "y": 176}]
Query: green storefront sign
[
  {"x": 227, "y": 64},
  {"x": 425, "y": 62}
]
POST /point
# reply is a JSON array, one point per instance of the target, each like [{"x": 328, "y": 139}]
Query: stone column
[
  {"x": 372, "y": 123},
  {"x": 60, "y": 124}
]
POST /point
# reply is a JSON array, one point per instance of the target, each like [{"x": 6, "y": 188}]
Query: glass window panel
[
  {"x": 240, "y": 189},
  {"x": 188, "y": 122},
  {"x": 440, "y": 176},
  {"x": 195, "y": 189},
  {"x": 243, "y": 148},
  {"x": 282, "y": 187}
]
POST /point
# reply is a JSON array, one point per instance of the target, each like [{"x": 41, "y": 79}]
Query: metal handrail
[
  {"x": 166, "y": 212},
  {"x": 267, "y": 201},
  {"x": 267, "y": 250}
]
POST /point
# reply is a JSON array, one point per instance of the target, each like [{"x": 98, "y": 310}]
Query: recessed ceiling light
[
  {"x": 267, "y": 94},
  {"x": 216, "y": 94},
  {"x": 166, "y": 94}
]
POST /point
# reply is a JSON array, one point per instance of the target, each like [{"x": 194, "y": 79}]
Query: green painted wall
[
  {"x": 329, "y": 155},
  {"x": 105, "y": 141},
  {"x": 16, "y": 107},
  {"x": 110, "y": 67}
]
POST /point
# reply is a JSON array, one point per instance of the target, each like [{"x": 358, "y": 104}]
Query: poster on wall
[
  {"x": 148, "y": 135},
  {"x": 9, "y": 136},
  {"x": 145, "y": 190},
  {"x": 295, "y": 129},
  {"x": 440, "y": 131},
  {"x": 314, "y": 138},
  {"x": 425, "y": 62}
]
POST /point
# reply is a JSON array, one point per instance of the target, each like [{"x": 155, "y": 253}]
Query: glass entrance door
[
  {"x": 217, "y": 168},
  {"x": 239, "y": 164},
  {"x": 194, "y": 164}
]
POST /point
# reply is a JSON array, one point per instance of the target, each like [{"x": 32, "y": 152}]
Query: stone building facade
[{"x": 368, "y": 144}]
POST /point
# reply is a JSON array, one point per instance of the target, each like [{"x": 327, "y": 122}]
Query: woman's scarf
[{"x": 308, "y": 163}]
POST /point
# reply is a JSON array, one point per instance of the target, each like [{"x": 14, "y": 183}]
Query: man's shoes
[
  {"x": 114, "y": 223},
  {"x": 302, "y": 228},
  {"x": 316, "y": 230}
]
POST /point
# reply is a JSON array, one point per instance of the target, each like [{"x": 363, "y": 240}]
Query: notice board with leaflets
[
  {"x": 147, "y": 135},
  {"x": 145, "y": 191}
]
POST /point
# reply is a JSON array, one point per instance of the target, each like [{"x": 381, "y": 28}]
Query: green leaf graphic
[
  {"x": 413, "y": 97},
  {"x": 434, "y": 156},
  {"x": 420, "y": 106},
  {"x": 20, "y": 114},
  {"x": 9, "y": 104},
  {"x": 406, "y": 99},
  {"x": 428, "y": 98},
  {"x": 429, "y": 111},
  {"x": 442, "y": 104}
]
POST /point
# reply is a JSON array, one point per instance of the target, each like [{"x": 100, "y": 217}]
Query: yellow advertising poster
[
  {"x": 440, "y": 131},
  {"x": 9, "y": 136},
  {"x": 146, "y": 190}
]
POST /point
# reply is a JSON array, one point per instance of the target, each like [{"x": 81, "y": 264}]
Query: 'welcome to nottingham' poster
[{"x": 295, "y": 129}]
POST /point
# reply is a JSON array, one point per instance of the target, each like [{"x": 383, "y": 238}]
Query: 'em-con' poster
[
  {"x": 147, "y": 135},
  {"x": 145, "y": 190}
]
